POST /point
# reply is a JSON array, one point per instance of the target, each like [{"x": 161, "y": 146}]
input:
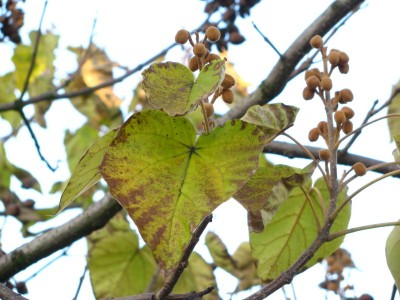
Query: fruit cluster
[
  {"x": 202, "y": 56},
  {"x": 320, "y": 83}
]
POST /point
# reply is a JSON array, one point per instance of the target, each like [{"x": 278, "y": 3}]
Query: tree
[{"x": 91, "y": 93}]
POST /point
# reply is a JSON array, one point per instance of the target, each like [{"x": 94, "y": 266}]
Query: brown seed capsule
[
  {"x": 359, "y": 168},
  {"x": 213, "y": 34},
  {"x": 344, "y": 68},
  {"x": 326, "y": 83},
  {"x": 12, "y": 210},
  {"x": 212, "y": 56},
  {"x": 323, "y": 128},
  {"x": 316, "y": 42},
  {"x": 333, "y": 57},
  {"x": 313, "y": 135},
  {"x": 29, "y": 203},
  {"x": 324, "y": 154},
  {"x": 209, "y": 109},
  {"x": 193, "y": 64},
  {"x": 343, "y": 58},
  {"x": 228, "y": 81},
  {"x": 313, "y": 82},
  {"x": 347, "y": 127},
  {"x": 340, "y": 117},
  {"x": 227, "y": 95},
  {"x": 182, "y": 36},
  {"x": 308, "y": 93},
  {"x": 21, "y": 287},
  {"x": 236, "y": 38},
  {"x": 348, "y": 112},
  {"x": 199, "y": 50},
  {"x": 346, "y": 95}
]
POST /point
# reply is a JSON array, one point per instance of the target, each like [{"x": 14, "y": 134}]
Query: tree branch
[
  {"x": 8, "y": 294},
  {"x": 281, "y": 73},
  {"x": 93, "y": 218},
  {"x": 188, "y": 296}
]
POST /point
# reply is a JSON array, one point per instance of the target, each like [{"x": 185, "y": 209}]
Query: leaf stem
[{"x": 361, "y": 228}]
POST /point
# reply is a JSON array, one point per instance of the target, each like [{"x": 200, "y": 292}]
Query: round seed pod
[
  {"x": 333, "y": 57},
  {"x": 340, "y": 117},
  {"x": 323, "y": 128},
  {"x": 193, "y": 64},
  {"x": 209, "y": 109},
  {"x": 228, "y": 81},
  {"x": 313, "y": 135},
  {"x": 324, "y": 154},
  {"x": 348, "y": 112},
  {"x": 346, "y": 95},
  {"x": 212, "y": 56},
  {"x": 182, "y": 36},
  {"x": 227, "y": 96},
  {"x": 199, "y": 50},
  {"x": 316, "y": 42},
  {"x": 344, "y": 68},
  {"x": 213, "y": 34},
  {"x": 343, "y": 58},
  {"x": 347, "y": 127},
  {"x": 313, "y": 82},
  {"x": 308, "y": 93},
  {"x": 236, "y": 38},
  {"x": 326, "y": 83},
  {"x": 359, "y": 168}
]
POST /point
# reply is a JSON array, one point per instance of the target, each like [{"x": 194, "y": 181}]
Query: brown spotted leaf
[{"x": 168, "y": 180}]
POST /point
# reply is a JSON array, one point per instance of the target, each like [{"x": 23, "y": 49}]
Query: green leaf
[
  {"x": 272, "y": 118},
  {"x": 7, "y": 92},
  {"x": 241, "y": 264},
  {"x": 118, "y": 266},
  {"x": 168, "y": 181},
  {"x": 393, "y": 254},
  {"x": 394, "y": 108},
  {"x": 270, "y": 186},
  {"x": 86, "y": 172},
  {"x": 396, "y": 152},
  {"x": 171, "y": 86},
  {"x": 44, "y": 58},
  {"x": 293, "y": 228},
  {"x": 198, "y": 276}
]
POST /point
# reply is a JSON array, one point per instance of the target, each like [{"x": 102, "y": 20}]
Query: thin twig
[
  {"x": 80, "y": 283},
  {"x": 338, "y": 234},
  {"x": 267, "y": 40},
  {"x": 370, "y": 113},
  {"x": 188, "y": 296},
  {"x": 174, "y": 277}
]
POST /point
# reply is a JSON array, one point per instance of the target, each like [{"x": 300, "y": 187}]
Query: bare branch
[
  {"x": 188, "y": 296},
  {"x": 93, "y": 218},
  {"x": 280, "y": 74}
]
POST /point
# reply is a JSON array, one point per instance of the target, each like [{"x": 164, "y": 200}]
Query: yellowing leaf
[
  {"x": 267, "y": 190},
  {"x": 272, "y": 118},
  {"x": 394, "y": 108},
  {"x": 171, "y": 86},
  {"x": 168, "y": 180},
  {"x": 86, "y": 172},
  {"x": 96, "y": 70},
  {"x": 396, "y": 152},
  {"x": 7, "y": 92},
  {"x": 292, "y": 230},
  {"x": 198, "y": 276},
  {"x": 118, "y": 266}
]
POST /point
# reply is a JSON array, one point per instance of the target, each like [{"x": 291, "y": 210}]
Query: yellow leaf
[{"x": 96, "y": 70}]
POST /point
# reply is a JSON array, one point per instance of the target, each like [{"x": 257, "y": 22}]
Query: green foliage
[
  {"x": 293, "y": 228},
  {"x": 393, "y": 253},
  {"x": 171, "y": 181},
  {"x": 394, "y": 108},
  {"x": 171, "y": 86}
]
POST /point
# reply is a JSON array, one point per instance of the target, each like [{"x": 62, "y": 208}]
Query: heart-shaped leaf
[
  {"x": 293, "y": 228},
  {"x": 86, "y": 173},
  {"x": 168, "y": 180},
  {"x": 393, "y": 254},
  {"x": 272, "y": 118},
  {"x": 171, "y": 86}
]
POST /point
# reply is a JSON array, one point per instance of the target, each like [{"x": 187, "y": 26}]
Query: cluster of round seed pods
[{"x": 201, "y": 57}]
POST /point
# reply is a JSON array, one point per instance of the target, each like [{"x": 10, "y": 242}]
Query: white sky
[{"x": 133, "y": 31}]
